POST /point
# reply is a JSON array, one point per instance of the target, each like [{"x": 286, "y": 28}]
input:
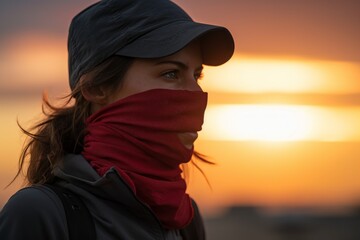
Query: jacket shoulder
[{"x": 33, "y": 213}]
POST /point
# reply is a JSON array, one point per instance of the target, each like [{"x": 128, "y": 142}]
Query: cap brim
[{"x": 217, "y": 43}]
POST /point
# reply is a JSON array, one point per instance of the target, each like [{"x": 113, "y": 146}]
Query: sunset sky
[{"x": 283, "y": 117}]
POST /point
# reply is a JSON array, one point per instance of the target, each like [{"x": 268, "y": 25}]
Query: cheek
[
  {"x": 132, "y": 85},
  {"x": 140, "y": 83}
]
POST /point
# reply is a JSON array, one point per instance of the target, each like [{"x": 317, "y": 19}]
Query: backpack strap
[{"x": 79, "y": 220}]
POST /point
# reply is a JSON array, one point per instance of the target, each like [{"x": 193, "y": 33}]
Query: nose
[{"x": 192, "y": 84}]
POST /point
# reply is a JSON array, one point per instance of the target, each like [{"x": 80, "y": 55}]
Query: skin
[{"x": 179, "y": 71}]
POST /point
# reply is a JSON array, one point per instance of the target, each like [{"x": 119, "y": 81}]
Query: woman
[{"x": 133, "y": 69}]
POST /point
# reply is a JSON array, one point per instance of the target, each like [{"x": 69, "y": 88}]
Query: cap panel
[{"x": 99, "y": 31}]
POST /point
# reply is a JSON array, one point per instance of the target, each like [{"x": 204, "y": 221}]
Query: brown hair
[
  {"x": 62, "y": 131},
  {"x": 63, "y": 128}
]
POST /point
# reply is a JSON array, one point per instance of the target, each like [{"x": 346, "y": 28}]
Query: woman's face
[{"x": 179, "y": 71}]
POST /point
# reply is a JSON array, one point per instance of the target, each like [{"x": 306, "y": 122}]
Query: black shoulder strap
[
  {"x": 195, "y": 230},
  {"x": 79, "y": 220}
]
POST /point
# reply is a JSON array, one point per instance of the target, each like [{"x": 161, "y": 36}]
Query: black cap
[{"x": 139, "y": 29}]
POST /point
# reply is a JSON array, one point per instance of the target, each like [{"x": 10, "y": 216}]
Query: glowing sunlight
[{"x": 259, "y": 122}]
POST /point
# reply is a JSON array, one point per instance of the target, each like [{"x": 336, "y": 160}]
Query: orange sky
[{"x": 289, "y": 99}]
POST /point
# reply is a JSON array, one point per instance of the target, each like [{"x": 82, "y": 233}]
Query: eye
[{"x": 174, "y": 74}]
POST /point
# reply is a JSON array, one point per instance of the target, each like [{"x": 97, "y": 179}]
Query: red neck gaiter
[{"x": 138, "y": 136}]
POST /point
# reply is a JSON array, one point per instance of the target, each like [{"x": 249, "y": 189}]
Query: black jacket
[{"x": 36, "y": 213}]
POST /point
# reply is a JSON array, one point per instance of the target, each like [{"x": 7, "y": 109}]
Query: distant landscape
[{"x": 251, "y": 223}]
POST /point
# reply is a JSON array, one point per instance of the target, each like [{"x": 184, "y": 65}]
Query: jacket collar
[{"x": 76, "y": 171}]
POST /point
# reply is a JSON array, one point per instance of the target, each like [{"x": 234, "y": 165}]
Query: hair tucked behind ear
[{"x": 62, "y": 131}]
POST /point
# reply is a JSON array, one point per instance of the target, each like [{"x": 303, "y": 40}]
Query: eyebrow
[{"x": 178, "y": 63}]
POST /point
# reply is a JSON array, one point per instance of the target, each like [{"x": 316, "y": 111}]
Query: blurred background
[{"x": 282, "y": 124}]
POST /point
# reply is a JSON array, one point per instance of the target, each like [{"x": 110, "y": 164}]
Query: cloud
[{"x": 32, "y": 63}]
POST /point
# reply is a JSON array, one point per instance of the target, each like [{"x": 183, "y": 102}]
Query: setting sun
[{"x": 258, "y": 122}]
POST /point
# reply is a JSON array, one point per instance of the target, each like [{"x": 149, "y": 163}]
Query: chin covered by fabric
[{"x": 138, "y": 135}]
